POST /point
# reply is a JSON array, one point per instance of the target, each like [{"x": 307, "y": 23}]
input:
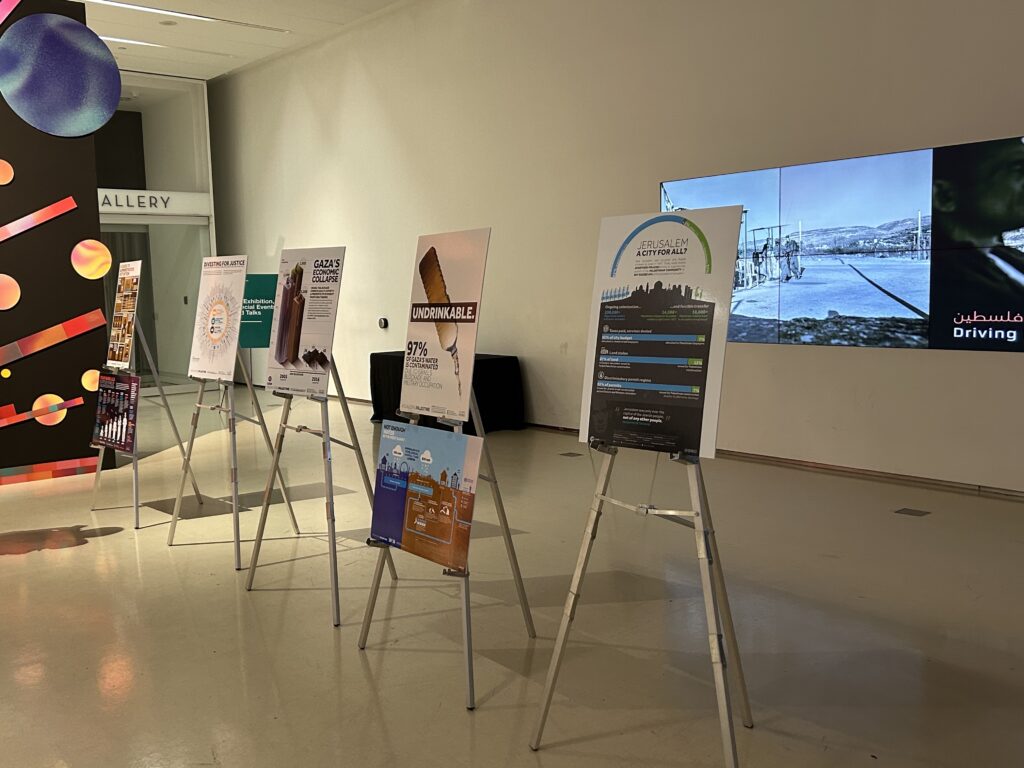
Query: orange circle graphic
[
  {"x": 10, "y": 292},
  {"x": 91, "y": 259},
  {"x": 91, "y": 380},
  {"x": 45, "y": 401},
  {"x": 6, "y": 173}
]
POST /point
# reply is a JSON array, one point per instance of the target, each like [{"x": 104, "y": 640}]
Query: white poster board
[
  {"x": 218, "y": 318},
  {"x": 305, "y": 309},
  {"x": 122, "y": 323},
  {"x": 440, "y": 349},
  {"x": 658, "y": 324}
]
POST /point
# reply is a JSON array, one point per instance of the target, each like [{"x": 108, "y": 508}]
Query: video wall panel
[{"x": 910, "y": 249}]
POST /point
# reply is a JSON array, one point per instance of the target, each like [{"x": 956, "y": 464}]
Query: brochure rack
[
  {"x": 226, "y": 406},
  {"x": 721, "y": 632},
  {"x": 324, "y": 433},
  {"x": 467, "y": 630}
]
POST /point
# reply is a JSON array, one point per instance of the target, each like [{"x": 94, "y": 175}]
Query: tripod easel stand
[
  {"x": 467, "y": 629},
  {"x": 233, "y": 416},
  {"x": 324, "y": 433},
  {"x": 721, "y": 632},
  {"x": 135, "y": 454}
]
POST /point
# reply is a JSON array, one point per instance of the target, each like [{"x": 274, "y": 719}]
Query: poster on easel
[
  {"x": 218, "y": 318},
  {"x": 658, "y": 323},
  {"x": 437, "y": 378},
  {"x": 257, "y": 311},
  {"x": 117, "y": 408},
  {"x": 424, "y": 493},
  {"x": 302, "y": 331},
  {"x": 122, "y": 323}
]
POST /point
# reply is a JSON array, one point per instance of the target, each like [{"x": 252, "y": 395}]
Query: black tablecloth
[{"x": 497, "y": 382}]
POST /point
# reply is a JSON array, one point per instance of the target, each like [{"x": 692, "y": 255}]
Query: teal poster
[{"x": 257, "y": 311}]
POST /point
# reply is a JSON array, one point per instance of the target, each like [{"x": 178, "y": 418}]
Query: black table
[{"x": 497, "y": 381}]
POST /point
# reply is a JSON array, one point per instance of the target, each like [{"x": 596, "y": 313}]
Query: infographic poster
[
  {"x": 218, "y": 317},
  {"x": 302, "y": 331},
  {"x": 122, "y": 324},
  {"x": 257, "y": 311},
  {"x": 658, "y": 326},
  {"x": 117, "y": 411},
  {"x": 425, "y": 489},
  {"x": 440, "y": 348}
]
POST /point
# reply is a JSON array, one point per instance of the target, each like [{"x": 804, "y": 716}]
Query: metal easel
[
  {"x": 135, "y": 454},
  {"x": 226, "y": 406},
  {"x": 721, "y": 632},
  {"x": 467, "y": 627},
  {"x": 324, "y": 433}
]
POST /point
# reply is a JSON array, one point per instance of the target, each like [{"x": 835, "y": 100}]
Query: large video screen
[{"x": 911, "y": 249}]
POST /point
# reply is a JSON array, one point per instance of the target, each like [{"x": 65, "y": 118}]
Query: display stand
[
  {"x": 716, "y": 600},
  {"x": 135, "y": 454},
  {"x": 226, "y": 406},
  {"x": 467, "y": 627},
  {"x": 324, "y": 433}
]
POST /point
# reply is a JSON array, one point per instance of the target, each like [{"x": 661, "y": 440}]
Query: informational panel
[
  {"x": 909, "y": 249},
  {"x": 218, "y": 318},
  {"x": 658, "y": 326},
  {"x": 302, "y": 332},
  {"x": 117, "y": 411},
  {"x": 257, "y": 311},
  {"x": 441, "y": 341},
  {"x": 122, "y": 324},
  {"x": 425, "y": 489}
]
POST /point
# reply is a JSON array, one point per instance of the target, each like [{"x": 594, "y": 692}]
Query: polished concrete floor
[{"x": 869, "y": 638}]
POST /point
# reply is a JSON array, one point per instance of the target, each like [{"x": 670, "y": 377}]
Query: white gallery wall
[{"x": 538, "y": 117}]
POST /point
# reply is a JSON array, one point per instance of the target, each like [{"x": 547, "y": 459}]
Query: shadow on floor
[{"x": 23, "y": 542}]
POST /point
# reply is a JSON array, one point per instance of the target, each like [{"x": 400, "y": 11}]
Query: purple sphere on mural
[{"x": 57, "y": 75}]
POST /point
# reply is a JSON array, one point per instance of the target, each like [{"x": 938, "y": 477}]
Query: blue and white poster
[{"x": 425, "y": 488}]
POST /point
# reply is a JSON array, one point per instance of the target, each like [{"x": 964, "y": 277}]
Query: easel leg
[
  {"x": 467, "y": 642},
  {"x": 258, "y": 410},
  {"x": 367, "y": 485},
  {"x": 275, "y": 462},
  {"x": 506, "y": 532},
  {"x": 725, "y": 611},
  {"x": 571, "y": 600},
  {"x": 233, "y": 441},
  {"x": 371, "y": 602},
  {"x": 332, "y": 542},
  {"x": 96, "y": 480},
  {"x": 704, "y": 532},
  {"x": 167, "y": 407},
  {"x": 135, "y": 482},
  {"x": 186, "y": 463}
]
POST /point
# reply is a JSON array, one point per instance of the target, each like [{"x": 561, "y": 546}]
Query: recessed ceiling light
[
  {"x": 181, "y": 15},
  {"x": 130, "y": 42},
  {"x": 168, "y": 47}
]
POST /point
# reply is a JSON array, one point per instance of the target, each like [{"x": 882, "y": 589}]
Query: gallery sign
[
  {"x": 257, "y": 311},
  {"x": 147, "y": 201}
]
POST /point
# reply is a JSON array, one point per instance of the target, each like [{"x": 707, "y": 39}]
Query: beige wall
[{"x": 538, "y": 118}]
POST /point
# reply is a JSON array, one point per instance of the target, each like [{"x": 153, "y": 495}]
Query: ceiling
[{"x": 241, "y": 32}]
